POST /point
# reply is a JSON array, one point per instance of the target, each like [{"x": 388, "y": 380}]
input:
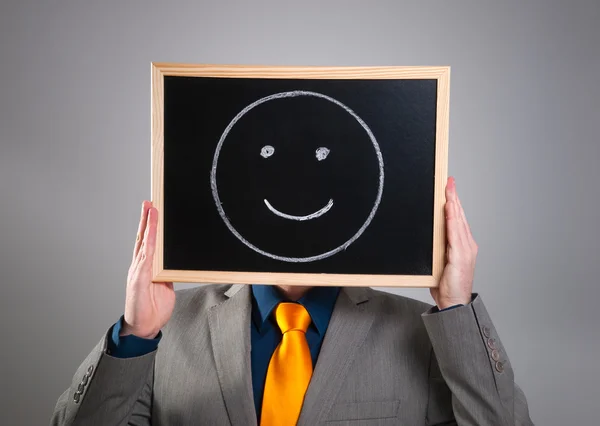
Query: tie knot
[{"x": 292, "y": 316}]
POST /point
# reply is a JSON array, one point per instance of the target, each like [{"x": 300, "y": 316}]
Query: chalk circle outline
[{"x": 219, "y": 204}]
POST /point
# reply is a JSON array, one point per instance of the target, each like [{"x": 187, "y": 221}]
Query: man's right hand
[{"x": 148, "y": 305}]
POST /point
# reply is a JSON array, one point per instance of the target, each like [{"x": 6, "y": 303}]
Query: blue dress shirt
[{"x": 266, "y": 335}]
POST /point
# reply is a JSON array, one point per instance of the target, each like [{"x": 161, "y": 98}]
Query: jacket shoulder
[
  {"x": 200, "y": 298},
  {"x": 396, "y": 302}
]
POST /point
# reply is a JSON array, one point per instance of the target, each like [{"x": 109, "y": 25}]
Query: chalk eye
[
  {"x": 267, "y": 151},
  {"x": 322, "y": 153}
]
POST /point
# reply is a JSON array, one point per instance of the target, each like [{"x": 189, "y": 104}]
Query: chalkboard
[{"x": 301, "y": 176}]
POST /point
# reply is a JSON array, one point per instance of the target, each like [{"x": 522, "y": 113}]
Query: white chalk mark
[
  {"x": 267, "y": 151},
  {"x": 215, "y": 191},
  {"x": 314, "y": 215},
  {"x": 322, "y": 153}
]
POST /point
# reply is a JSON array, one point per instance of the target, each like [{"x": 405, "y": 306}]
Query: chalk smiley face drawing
[{"x": 274, "y": 161}]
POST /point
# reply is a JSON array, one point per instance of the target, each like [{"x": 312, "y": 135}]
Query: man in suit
[{"x": 263, "y": 355}]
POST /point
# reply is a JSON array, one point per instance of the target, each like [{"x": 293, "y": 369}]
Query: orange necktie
[{"x": 289, "y": 370}]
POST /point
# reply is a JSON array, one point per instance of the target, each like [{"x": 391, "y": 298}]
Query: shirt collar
[{"x": 318, "y": 301}]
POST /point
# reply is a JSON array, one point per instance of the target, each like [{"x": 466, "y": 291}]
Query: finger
[
  {"x": 150, "y": 237},
  {"x": 141, "y": 228},
  {"x": 461, "y": 235},
  {"x": 464, "y": 219},
  {"x": 469, "y": 244},
  {"x": 141, "y": 265},
  {"x": 465, "y": 224},
  {"x": 452, "y": 215},
  {"x": 451, "y": 224}
]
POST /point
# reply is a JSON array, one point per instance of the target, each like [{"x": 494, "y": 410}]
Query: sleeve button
[
  {"x": 76, "y": 397},
  {"x": 90, "y": 369},
  {"x": 499, "y": 367},
  {"x": 492, "y": 343},
  {"x": 84, "y": 380},
  {"x": 486, "y": 331},
  {"x": 495, "y": 355}
]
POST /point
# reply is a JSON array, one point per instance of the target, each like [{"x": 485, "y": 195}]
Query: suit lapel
[
  {"x": 350, "y": 323},
  {"x": 229, "y": 324}
]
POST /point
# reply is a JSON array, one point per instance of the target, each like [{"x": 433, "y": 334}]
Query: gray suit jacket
[{"x": 385, "y": 360}]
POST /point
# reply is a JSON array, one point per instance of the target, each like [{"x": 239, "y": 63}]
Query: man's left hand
[{"x": 456, "y": 284}]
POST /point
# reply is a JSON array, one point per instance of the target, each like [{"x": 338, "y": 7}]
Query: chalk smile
[{"x": 314, "y": 215}]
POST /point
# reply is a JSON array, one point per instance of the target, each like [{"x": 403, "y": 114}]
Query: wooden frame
[{"x": 441, "y": 74}]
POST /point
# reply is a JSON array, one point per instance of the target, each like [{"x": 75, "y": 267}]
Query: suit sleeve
[
  {"x": 106, "y": 390},
  {"x": 470, "y": 361}
]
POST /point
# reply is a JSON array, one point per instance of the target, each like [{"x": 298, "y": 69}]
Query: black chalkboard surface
[{"x": 307, "y": 176}]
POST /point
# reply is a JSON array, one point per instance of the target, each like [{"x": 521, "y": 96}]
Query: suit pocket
[{"x": 363, "y": 412}]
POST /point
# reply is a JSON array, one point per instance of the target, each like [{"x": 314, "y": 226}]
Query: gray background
[{"x": 75, "y": 163}]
